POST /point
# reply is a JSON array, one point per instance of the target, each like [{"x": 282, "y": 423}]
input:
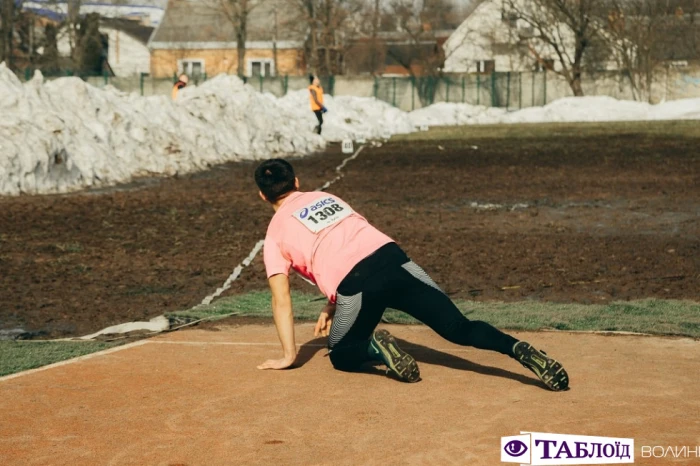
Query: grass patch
[
  {"x": 687, "y": 129},
  {"x": 17, "y": 356},
  {"x": 653, "y": 316}
]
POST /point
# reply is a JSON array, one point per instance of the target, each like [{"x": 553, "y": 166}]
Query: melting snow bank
[
  {"x": 570, "y": 109},
  {"x": 66, "y": 135}
]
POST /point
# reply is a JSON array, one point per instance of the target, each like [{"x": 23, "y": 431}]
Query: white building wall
[
  {"x": 475, "y": 38},
  {"x": 484, "y": 35},
  {"x": 127, "y": 56}
]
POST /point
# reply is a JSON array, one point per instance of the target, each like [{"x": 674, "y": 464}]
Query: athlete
[
  {"x": 362, "y": 271},
  {"x": 316, "y": 100}
]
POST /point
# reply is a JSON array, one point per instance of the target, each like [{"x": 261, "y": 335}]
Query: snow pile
[
  {"x": 447, "y": 114},
  {"x": 570, "y": 109},
  {"x": 65, "y": 135},
  {"x": 351, "y": 117}
]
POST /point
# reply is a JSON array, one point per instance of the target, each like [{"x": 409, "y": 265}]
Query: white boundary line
[
  {"x": 73, "y": 360},
  {"x": 258, "y": 246},
  {"x": 235, "y": 274},
  {"x": 246, "y": 262}
]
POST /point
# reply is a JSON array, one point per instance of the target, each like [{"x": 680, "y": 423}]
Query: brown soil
[{"x": 611, "y": 218}]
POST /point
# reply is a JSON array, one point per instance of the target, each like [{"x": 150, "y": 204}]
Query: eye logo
[
  {"x": 304, "y": 213},
  {"x": 515, "y": 448}
]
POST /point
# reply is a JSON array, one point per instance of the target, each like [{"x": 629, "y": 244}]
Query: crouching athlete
[{"x": 362, "y": 271}]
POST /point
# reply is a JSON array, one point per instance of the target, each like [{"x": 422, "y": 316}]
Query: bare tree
[
  {"x": 564, "y": 29},
  {"x": 375, "y": 18},
  {"x": 329, "y": 25},
  {"x": 73, "y": 28},
  {"x": 308, "y": 12},
  {"x": 416, "y": 23},
  {"x": 7, "y": 28},
  {"x": 333, "y": 18},
  {"x": 647, "y": 33},
  {"x": 237, "y": 12}
]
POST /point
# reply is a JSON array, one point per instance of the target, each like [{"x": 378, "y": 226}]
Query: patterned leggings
[{"x": 388, "y": 278}]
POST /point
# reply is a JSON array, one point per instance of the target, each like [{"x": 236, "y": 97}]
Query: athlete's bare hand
[
  {"x": 325, "y": 321},
  {"x": 276, "y": 364}
]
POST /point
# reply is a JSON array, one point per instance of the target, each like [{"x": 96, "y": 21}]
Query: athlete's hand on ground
[
  {"x": 325, "y": 320},
  {"x": 276, "y": 363}
]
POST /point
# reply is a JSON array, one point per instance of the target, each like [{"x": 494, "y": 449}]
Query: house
[
  {"x": 492, "y": 39},
  {"x": 197, "y": 38},
  {"x": 396, "y": 54},
  {"x": 126, "y": 42},
  {"x": 127, "y": 46},
  {"x": 124, "y": 50},
  {"x": 487, "y": 41}
]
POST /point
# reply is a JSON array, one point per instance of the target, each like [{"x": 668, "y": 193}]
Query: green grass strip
[
  {"x": 17, "y": 356},
  {"x": 653, "y": 316}
]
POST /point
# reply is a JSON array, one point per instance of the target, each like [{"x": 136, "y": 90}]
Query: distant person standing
[
  {"x": 316, "y": 98},
  {"x": 181, "y": 82}
]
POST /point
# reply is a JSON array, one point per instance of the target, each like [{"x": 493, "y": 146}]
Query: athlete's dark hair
[
  {"x": 275, "y": 178},
  {"x": 311, "y": 78}
]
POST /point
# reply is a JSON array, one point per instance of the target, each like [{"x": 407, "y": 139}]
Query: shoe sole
[
  {"x": 550, "y": 372},
  {"x": 398, "y": 362}
]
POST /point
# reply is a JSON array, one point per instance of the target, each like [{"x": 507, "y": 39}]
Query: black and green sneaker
[
  {"x": 549, "y": 370},
  {"x": 383, "y": 346}
]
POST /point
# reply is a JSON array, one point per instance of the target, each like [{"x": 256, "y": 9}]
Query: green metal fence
[
  {"x": 506, "y": 90},
  {"x": 512, "y": 90}
]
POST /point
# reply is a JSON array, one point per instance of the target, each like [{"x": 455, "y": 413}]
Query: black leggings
[
  {"x": 388, "y": 278},
  {"x": 319, "y": 116}
]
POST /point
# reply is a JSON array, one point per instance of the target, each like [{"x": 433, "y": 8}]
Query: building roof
[
  {"x": 202, "y": 24},
  {"x": 134, "y": 29}
]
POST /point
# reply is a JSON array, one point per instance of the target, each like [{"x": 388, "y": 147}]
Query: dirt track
[
  {"x": 196, "y": 398},
  {"x": 580, "y": 220}
]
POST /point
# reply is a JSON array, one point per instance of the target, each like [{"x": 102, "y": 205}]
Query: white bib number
[{"x": 323, "y": 213}]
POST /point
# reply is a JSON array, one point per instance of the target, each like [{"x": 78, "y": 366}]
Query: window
[
  {"x": 485, "y": 66},
  {"x": 510, "y": 18},
  {"x": 261, "y": 67},
  {"x": 546, "y": 64},
  {"x": 194, "y": 68}
]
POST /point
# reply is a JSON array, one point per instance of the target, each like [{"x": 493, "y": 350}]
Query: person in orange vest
[
  {"x": 316, "y": 99},
  {"x": 181, "y": 82}
]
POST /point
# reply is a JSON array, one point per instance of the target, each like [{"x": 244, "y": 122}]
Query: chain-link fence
[{"x": 510, "y": 90}]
